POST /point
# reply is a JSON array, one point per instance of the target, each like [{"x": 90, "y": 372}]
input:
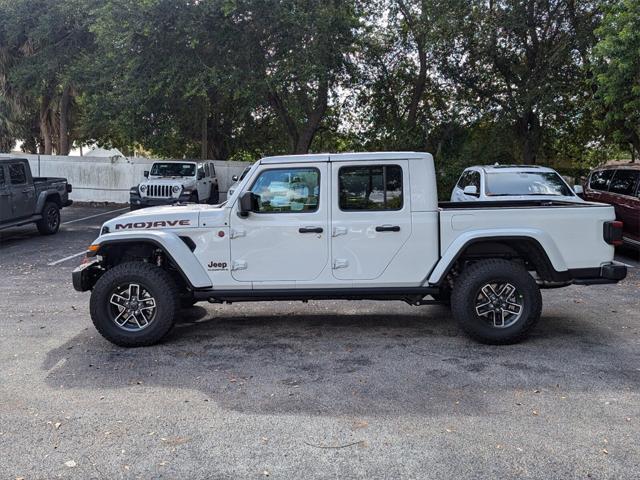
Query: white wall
[{"x": 96, "y": 179}]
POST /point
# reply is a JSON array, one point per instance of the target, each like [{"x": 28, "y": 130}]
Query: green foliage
[
  {"x": 617, "y": 74},
  {"x": 472, "y": 81}
]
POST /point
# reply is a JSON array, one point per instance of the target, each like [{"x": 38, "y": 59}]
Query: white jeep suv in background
[
  {"x": 512, "y": 182},
  {"x": 170, "y": 182}
]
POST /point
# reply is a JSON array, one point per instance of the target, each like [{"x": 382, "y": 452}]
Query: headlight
[
  {"x": 143, "y": 188},
  {"x": 176, "y": 189}
]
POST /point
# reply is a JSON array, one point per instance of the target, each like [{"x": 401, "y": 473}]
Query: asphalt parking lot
[{"x": 324, "y": 390}]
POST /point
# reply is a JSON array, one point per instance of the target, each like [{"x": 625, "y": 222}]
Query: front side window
[
  {"x": 17, "y": 173},
  {"x": 287, "y": 190},
  {"x": 600, "y": 180},
  {"x": 464, "y": 180},
  {"x": 624, "y": 182},
  {"x": 526, "y": 183},
  {"x": 173, "y": 169},
  {"x": 373, "y": 187}
]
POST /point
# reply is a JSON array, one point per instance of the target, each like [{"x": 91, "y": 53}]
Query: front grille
[{"x": 159, "y": 191}]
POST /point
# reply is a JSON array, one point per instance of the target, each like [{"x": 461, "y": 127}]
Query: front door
[
  {"x": 23, "y": 193},
  {"x": 286, "y": 240},
  {"x": 371, "y": 219},
  {"x": 5, "y": 198}
]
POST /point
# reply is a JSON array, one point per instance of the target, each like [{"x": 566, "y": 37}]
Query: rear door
[
  {"x": 371, "y": 217},
  {"x": 5, "y": 197},
  {"x": 23, "y": 192}
]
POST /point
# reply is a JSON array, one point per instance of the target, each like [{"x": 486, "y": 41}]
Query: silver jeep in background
[{"x": 170, "y": 182}]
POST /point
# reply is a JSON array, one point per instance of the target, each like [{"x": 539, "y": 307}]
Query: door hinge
[
  {"x": 238, "y": 233},
  {"x": 340, "y": 263},
  {"x": 238, "y": 265},
  {"x": 339, "y": 231}
]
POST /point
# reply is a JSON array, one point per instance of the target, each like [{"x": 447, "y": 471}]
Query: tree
[
  {"x": 298, "y": 53},
  {"x": 42, "y": 42},
  {"x": 521, "y": 61},
  {"x": 617, "y": 74}
]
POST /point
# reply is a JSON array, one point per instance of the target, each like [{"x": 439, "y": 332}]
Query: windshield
[
  {"x": 173, "y": 169},
  {"x": 526, "y": 183}
]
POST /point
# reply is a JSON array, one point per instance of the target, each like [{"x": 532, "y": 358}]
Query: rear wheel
[
  {"x": 50, "y": 221},
  {"x": 134, "y": 304},
  {"x": 496, "y": 301}
]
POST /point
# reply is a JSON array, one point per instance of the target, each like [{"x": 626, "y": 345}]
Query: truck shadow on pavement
[{"x": 343, "y": 364}]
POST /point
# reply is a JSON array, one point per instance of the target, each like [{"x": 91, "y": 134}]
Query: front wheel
[
  {"x": 134, "y": 304},
  {"x": 50, "y": 221},
  {"x": 496, "y": 301}
]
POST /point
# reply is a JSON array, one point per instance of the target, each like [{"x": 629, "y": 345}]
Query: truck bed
[{"x": 571, "y": 233}]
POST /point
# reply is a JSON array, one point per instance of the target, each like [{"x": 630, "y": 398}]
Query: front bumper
[
  {"x": 85, "y": 276},
  {"x": 136, "y": 201},
  {"x": 610, "y": 273}
]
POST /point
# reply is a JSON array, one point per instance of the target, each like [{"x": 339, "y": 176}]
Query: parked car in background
[
  {"x": 236, "y": 181},
  {"x": 171, "y": 182},
  {"x": 27, "y": 199},
  {"x": 618, "y": 185},
  {"x": 512, "y": 182}
]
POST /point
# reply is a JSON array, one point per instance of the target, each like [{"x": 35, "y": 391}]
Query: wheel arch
[
  {"x": 540, "y": 253},
  {"x": 177, "y": 251},
  {"x": 48, "y": 196}
]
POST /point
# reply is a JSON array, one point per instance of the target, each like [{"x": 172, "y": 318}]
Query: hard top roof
[{"x": 346, "y": 157}]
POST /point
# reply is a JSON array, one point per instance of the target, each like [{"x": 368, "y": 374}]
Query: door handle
[
  {"x": 387, "y": 228},
  {"x": 310, "y": 230}
]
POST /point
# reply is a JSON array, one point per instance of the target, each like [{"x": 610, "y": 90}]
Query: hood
[{"x": 168, "y": 217}]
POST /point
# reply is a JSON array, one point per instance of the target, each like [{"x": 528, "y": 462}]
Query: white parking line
[
  {"x": 93, "y": 216},
  {"x": 66, "y": 258}
]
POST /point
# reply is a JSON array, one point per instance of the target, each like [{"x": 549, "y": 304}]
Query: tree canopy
[{"x": 472, "y": 81}]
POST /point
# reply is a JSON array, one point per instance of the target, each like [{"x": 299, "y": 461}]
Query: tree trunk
[
  {"x": 418, "y": 88},
  {"x": 45, "y": 126},
  {"x": 65, "y": 104},
  {"x": 314, "y": 118},
  {"x": 529, "y": 132},
  {"x": 204, "y": 148}
]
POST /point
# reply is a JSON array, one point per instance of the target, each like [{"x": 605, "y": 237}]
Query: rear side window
[
  {"x": 375, "y": 187},
  {"x": 624, "y": 182},
  {"x": 600, "y": 180},
  {"x": 206, "y": 170},
  {"x": 17, "y": 173},
  {"x": 213, "y": 170},
  {"x": 1, "y": 175}
]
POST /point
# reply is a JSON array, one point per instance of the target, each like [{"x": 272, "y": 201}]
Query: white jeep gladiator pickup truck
[{"x": 347, "y": 226}]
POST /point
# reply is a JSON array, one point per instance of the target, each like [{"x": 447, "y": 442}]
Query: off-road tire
[
  {"x": 157, "y": 281},
  {"x": 50, "y": 221},
  {"x": 465, "y": 291}
]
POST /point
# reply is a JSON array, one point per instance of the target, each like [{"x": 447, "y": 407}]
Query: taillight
[{"x": 612, "y": 232}]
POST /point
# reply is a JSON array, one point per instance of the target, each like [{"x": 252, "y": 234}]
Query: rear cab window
[
  {"x": 372, "y": 187},
  {"x": 17, "y": 174},
  {"x": 526, "y": 183}
]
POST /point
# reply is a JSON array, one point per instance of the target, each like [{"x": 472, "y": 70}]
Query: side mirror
[
  {"x": 578, "y": 189},
  {"x": 146, "y": 174},
  {"x": 470, "y": 190},
  {"x": 234, "y": 178},
  {"x": 248, "y": 203},
  {"x": 200, "y": 175}
]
